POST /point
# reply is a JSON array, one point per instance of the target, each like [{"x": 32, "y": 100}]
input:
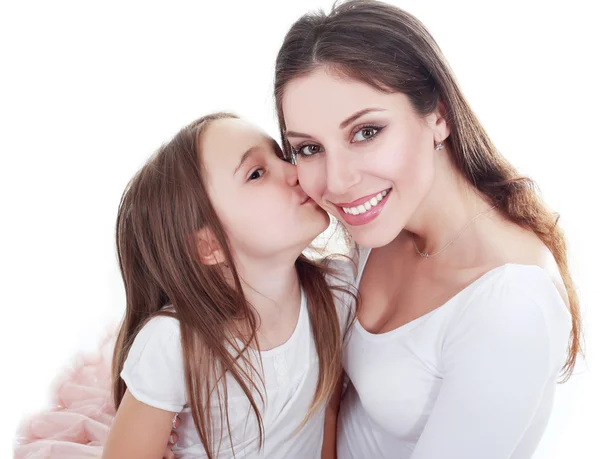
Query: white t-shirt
[
  {"x": 473, "y": 379},
  {"x": 153, "y": 373}
]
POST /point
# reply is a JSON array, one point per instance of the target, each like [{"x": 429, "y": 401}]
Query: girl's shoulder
[
  {"x": 341, "y": 271},
  {"x": 154, "y": 370},
  {"x": 165, "y": 323},
  {"x": 344, "y": 268},
  {"x": 158, "y": 340}
]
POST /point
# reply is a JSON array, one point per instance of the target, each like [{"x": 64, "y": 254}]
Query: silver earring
[{"x": 439, "y": 146}]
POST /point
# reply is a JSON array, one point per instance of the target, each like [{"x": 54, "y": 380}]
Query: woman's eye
[
  {"x": 309, "y": 150},
  {"x": 366, "y": 133},
  {"x": 258, "y": 173}
]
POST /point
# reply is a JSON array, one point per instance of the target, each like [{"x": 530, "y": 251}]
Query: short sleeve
[{"x": 153, "y": 370}]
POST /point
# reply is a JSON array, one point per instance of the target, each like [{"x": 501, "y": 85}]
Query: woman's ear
[
  {"x": 441, "y": 129},
  {"x": 438, "y": 123},
  {"x": 209, "y": 250}
]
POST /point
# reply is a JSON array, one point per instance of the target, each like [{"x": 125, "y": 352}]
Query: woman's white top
[
  {"x": 472, "y": 379},
  {"x": 153, "y": 373}
]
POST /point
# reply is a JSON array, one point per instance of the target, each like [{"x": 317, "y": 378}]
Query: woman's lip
[
  {"x": 360, "y": 201},
  {"x": 366, "y": 217}
]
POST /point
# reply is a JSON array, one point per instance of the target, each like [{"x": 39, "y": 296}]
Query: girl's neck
[
  {"x": 270, "y": 287},
  {"x": 273, "y": 290}
]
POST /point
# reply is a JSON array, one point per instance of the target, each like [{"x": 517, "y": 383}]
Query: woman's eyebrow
[
  {"x": 358, "y": 114},
  {"x": 296, "y": 134},
  {"x": 343, "y": 124}
]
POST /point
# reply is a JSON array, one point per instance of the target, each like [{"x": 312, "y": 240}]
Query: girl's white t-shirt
[
  {"x": 473, "y": 379},
  {"x": 154, "y": 375}
]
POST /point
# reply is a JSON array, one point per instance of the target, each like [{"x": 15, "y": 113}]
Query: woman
[{"x": 467, "y": 303}]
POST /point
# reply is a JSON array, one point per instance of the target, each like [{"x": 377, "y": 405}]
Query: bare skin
[
  {"x": 343, "y": 158},
  {"x": 269, "y": 220}
]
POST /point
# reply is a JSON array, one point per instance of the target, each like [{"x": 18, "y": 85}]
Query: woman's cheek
[
  {"x": 391, "y": 163},
  {"x": 311, "y": 179}
]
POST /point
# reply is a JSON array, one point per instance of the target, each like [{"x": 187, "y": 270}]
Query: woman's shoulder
[
  {"x": 516, "y": 291},
  {"x": 526, "y": 257},
  {"x": 527, "y": 260},
  {"x": 528, "y": 278}
]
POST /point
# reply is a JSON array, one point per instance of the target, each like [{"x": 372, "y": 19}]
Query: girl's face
[
  {"x": 256, "y": 194},
  {"x": 363, "y": 155}
]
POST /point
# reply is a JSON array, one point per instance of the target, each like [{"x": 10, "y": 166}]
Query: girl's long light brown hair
[
  {"x": 161, "y": 211},
  {"x": 391, "y": 50}
]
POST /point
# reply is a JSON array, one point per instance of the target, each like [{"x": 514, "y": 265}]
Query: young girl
[{"x": 227, "y": 324}]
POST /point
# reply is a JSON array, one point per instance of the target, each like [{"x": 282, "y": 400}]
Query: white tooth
[
  {"x": 345, "y": 209},
  {"x": 384, "y": 193},
  {"x": 367, "y": 205},
  {"x": 354, "y": 211},
  {"x": 379, "y": 197},
  {"x": 361, "y": 209},
  {"x": 373, "y": 201}
]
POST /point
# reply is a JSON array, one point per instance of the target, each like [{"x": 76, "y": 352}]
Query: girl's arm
[
  {"x": 154, "y": 375},
  {"x": 331, "y": 414},
  {"x": 138, "y": 431}
]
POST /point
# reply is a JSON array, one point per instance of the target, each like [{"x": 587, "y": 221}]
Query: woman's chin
[{"x": 373, "y": 236}]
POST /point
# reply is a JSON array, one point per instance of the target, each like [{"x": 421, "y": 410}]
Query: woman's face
[
  {"x": 363, "y": 155},
  {"x": 256, "y": 194}
]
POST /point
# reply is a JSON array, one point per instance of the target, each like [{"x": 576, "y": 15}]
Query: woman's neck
[{"x": 450, "y": 206}]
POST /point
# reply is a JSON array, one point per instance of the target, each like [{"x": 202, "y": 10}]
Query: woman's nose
[{"x": 341, "y": 173}]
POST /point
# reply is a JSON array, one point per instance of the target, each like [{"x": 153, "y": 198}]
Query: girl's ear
[{"x": 209, "y": 251}]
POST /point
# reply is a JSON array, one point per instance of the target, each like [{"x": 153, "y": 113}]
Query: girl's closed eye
[{"x": 256, "y": 174}]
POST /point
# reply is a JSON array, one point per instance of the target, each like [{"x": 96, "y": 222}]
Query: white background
[{"x": 88, "y": 90}]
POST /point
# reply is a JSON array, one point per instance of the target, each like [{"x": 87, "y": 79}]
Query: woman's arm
[
  {"x": 138, "y": 431},
  {"x": 331, "y": 414},
  {"x": 499, "y": 359}
]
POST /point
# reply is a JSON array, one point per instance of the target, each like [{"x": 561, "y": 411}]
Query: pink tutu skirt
[{"x": 77, "y": 424}]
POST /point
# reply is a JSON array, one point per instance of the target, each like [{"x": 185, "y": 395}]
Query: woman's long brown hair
[
  {"x": 161, "y": 211},
  {"x": 391, "y": 50}
]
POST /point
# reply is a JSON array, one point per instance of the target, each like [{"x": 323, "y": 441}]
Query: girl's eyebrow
[{"x": 249, "y": 152}]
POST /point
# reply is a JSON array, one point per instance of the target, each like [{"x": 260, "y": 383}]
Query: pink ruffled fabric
[{"x": 78, "y": 423}]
